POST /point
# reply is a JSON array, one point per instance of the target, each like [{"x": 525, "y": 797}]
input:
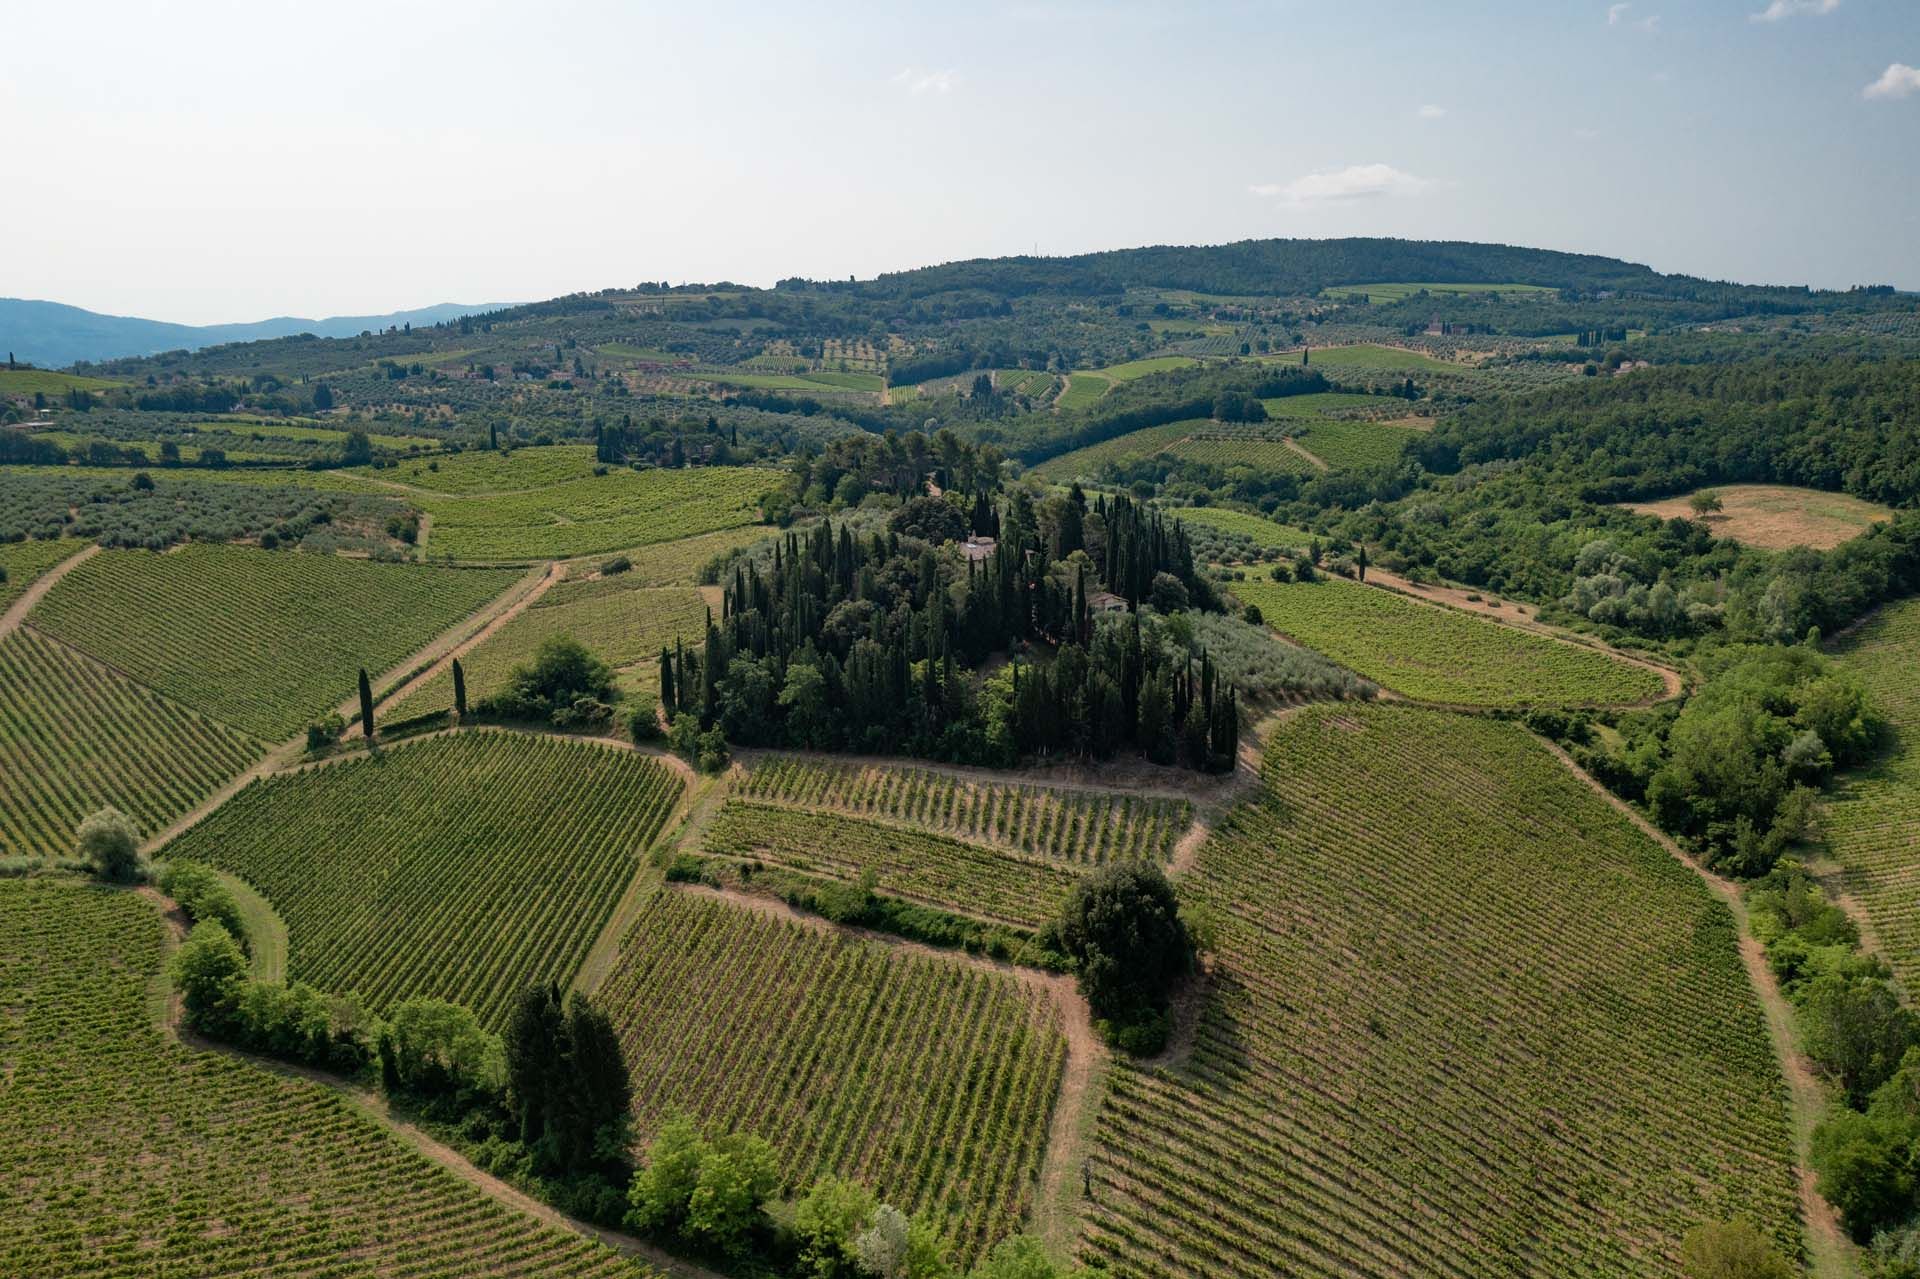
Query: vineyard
[
  {"x": 1341, "y": 443},
  {"x": 1144, "y": 368},
  {"x": 1067, "y": 825},
  {"x": 1083, "y": 391},
  {"x": 1089, "y": 460},
  {"x": 1378, "y": 358},
  {"x": 492, "y": 471},
  {"x": 1466, "y": 1020},
  {"x": 1224, "y": 536},
  {"x": 76, "y": 736},
  {"x": 928, "y": 1080},
  {"x": 462, "y": 867},
  {"x": 610, "y": 512},
  {"x": 1443, "y": 655},
  {"x": 261, "y": 640},
  {"x": 1261, "y": 455},
  {"x": 619, "y": 619},
  {"x": 676, "y": 563},
  {"x": 970, "y": 879},
  {"x": 23, "y": 562},
  {"x": 1873, "y": 819},
  {"x": 129, "y": 1155}
]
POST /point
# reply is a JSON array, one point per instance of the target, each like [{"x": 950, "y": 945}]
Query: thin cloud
[
  {"x": 1780, "y": 10},
  {"x": 1617, "y": 16},
  {"x": 1897, "y": 81},
  {"x": 1430, "y": 112},
  {"x": 917, "y": 81},
  {"x": 1345, "y": 186},
  {"x": 1617, "y": 13}
]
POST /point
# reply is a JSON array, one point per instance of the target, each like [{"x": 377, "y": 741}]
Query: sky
[{"x": 208, "y": 162}]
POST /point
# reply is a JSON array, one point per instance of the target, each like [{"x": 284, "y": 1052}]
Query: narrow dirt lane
[{"x": 17, "y": 611}]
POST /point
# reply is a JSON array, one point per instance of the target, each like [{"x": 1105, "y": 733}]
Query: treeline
[
  {"x": 686, "y": 441},
  {"x": 843, "y": 472},
  {"x": 840, "y": 642}
]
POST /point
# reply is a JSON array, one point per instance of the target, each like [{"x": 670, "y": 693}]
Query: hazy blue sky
[{"x": 212, "y": 161}]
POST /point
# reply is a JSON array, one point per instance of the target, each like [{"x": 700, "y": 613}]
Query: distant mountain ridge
[{"x": 54, "y": 335}]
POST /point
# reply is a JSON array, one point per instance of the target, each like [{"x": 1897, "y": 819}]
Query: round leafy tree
[{"x": 1122, "y": 927}]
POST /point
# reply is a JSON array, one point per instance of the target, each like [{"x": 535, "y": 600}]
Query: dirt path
[
  {"x": 374, "y": 1106},
  {"x": 18, "y": 610},
  {"x": 1827, "y": 1244},
  {"x": 1295, "y": 446},
  {"x": 1125, "y": 777},
  {"x": 1516, "y": 616},
  {"x": 439, "y": 655}
]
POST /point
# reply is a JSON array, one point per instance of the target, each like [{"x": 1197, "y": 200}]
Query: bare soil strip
[
  {"x": 18, "y": 610},
  {"x": 1827, "y": 1244},
  {"x": 1299, "y": 448}
]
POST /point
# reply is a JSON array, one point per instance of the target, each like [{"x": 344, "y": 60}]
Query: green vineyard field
[
  {"x": 262, "y": 640},
  {"x": 1437, "y": 654},
  {"x": 76, "y": 736},
  {"x": 930, "y": 1081},
  {"x": 971, "y": 879},
  {"x": 1873, "y": 817},
  {"x": 492, "y": 471},
  {"x": 129, "y": 1156},
  {"x": 1466, "y": 1019},
  {"x": 462, "y": 867},
  {"x": 1068, "y": 825},
  {"x": 26, "y": 561}
]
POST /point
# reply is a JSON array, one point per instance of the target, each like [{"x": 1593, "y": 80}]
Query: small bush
[
  {"x": 109, "y": 842},
  {"x": 618, "y": 564},
  {"x": 323, "y": 733}
]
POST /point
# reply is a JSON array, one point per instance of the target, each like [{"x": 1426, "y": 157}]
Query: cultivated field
[
  {"x": 129, "y": 1155},
  {"x": 262, "y": 640},
  {"x": 610, "y": 512},
  {"x": 1068, "y": 825},
  {"x": 1776, "y": 517},
  {"x": 1342, "y": 444},
  {"x": 1465, "y": 1020},
  {"x": 1142, "y": 368},
  {"x": 1141, "y": 443},
  {"x": 1381, "y": 293},
  {"x": 621, "y": 620},
  {"x": 1436, "y": 654},
  {"x": 1370, "y": 357},
  {"x": 76, "y": 736},
  {"x": 935, "y": 870},
  {"x": 47, "y": 382},
  {"x": 676, "y": 563},
  {"x": 1083, "y": 391},
  {"x": 927, "y": 1079},
  {"x": 25, "y": 561},
  {"x": 491, "y": 470},
  {"x": 1873, "y": 816},
  {"x": 1263, "y": 533},
  {"x": 462, "y": 867}
]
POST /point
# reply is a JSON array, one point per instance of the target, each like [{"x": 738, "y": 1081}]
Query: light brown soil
[
  {"x": 1775, "y": 517},
  {"x": 17, "y": 611}
]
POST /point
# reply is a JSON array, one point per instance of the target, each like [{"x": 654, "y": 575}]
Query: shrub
[
  {"x": 323, "y": 733},
  {"x": 109, "y": 842},
  {"x": 618, "y": 564},
  {"x": 1731, "y": 1250},
  {"x": 200, "y": 893},
  {"x": 827, "y": 1221},
  {"x": 643, "y": 721},
  {"x": 211, "y": 975}
]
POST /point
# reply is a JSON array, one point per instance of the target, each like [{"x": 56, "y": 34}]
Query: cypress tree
[
  {"x": 459, "y": 689},
  {"x": 366, "y": 705},
  {"x": 666, "y": 681}
]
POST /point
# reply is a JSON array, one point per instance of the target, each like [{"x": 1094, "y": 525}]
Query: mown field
[
  {"x": 930, "y": 1081},
  {"x": 463, "y": 867},
  {"x": 1069, "y": 825},
  {"x": 1443, "y": 655},
  {"x": 262, "y": 640},
  {"x": 1465, "y": 1020},
  {"x": 1873, "y": 815},
  {"x": 76, "y": 736},
  {"x": 1143, "y": 368},
  {"x": 935, "y": 870},
  {"x": 1367, "y": 356},
  {"x": 1242, "y": 525},
  {"x": 1777, "y": 517},
  {"x": 23, "y": 562},
  {"x": 129, "y": 1155},
  {"x": 621, "y": 620},
  {"x": 610, "y": 512}
]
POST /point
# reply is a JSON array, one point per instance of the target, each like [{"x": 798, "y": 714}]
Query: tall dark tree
[
  {"x": 366, "y": 705},
  {"x": 534, "y": 1058}
]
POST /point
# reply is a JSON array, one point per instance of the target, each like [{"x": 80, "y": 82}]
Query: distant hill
[{"x": 53, "y": 335}]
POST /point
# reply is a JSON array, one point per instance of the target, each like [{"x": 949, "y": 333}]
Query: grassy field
[
  {"x": 262, "y": 640},
  {"x": 644, "y": 354},
  {"x": 1873, "y": 817},
  {"x": 1083, "y": 391},
  {"x": 1389, "y": 358},
  {"x": 1068, "y": 825},
  {"x": 929, "y": 1081},
  {"x": 128, "y": 1155},
  {"x": 611, "y": 512},
  {"x": 1776, "y": 517},
  {"x": 1241, "y": 525},
  {"x": 622, "y": 620},
  {"x": 935, "y": 870},
  {"x": 1465, "y": 1020},
  {"x": 1438, "y": 654},
  {"x": 47, "y": 382},
  {"x": 491, "y": 470},
  {"x": 463, "y": 867},
  {"x": 76, "y": 736},
  {"x": 24, "y": 562},
  {"x": 1379, "y": 293},
  {"x": 1089, "y": 460},
  {"x": 1143, "y": 368}
]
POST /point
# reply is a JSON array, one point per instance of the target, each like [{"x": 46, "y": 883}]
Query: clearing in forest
[
  {"x": 262, "y": 640},
  {"x": 1435, "y": 654},
  {"x": 463, "y": 867},
  {"x": 1464, "y": 1018},
  {"x": 1776, "y": 517},
  {"x": 929, "y": 1079},
  {"x": 76, "y": 736},
  {"x": 620, "y": 619},
  {"x": 933, "y": 870},
  {"x": 1084, "y": 826},
  {"x": 1873, "y": 818},
  {"x": 128, "y": 1154}
]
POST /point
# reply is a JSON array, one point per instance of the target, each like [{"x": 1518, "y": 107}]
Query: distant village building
[
  {"x": 1105, "y": 602},
  {"x": 979, "y": 549}
]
